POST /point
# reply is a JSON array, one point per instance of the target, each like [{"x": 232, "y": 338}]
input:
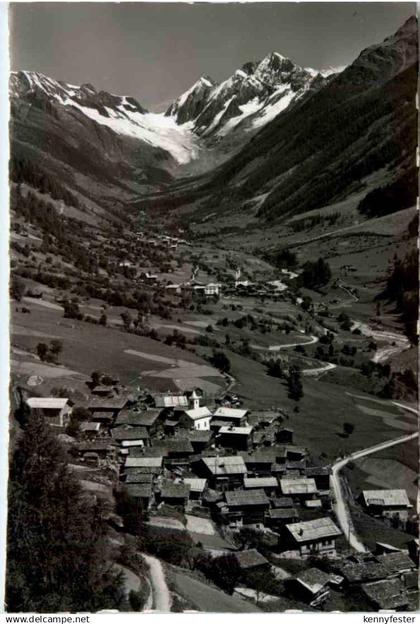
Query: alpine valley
[{"x": 218, "y": 304}]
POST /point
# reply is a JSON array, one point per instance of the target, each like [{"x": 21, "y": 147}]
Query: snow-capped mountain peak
[{"x": 250, "y": 97}]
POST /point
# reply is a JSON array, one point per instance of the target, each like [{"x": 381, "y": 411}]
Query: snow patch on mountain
[{"x": 153, "y": 128}]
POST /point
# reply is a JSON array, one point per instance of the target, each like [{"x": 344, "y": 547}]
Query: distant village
[{"x": 241, "y": 469}]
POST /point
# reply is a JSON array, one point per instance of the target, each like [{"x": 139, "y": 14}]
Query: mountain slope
[
  {"x": 106, "y": 147},
  {"x": 317, "y": 151}
]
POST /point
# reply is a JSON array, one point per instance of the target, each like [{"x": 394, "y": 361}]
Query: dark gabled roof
[
  {"x": 297, "y": 464},
  {"x": 106, "y": 416},
  {"x": 148, "y": 451},
  {"x": 225, "y": 465},
  {"x": 97, "y": 445},
  {"x": 282, "y": 502},
  {"x": 318, "y": 471},
  {"x": 313, "y": 579},
  {"x": 135, "y": 490},
  {"x": 386, "y": 594},
  {"x": 102, "y": 388},
  {"x": 135, "y": 476},
  {"x": 143, "y": 469},
  {"x": 174, "y": 490},
  {"x": 170, "y": 400},
  {"x": 199, "y": 436},
  {"x": 396, "y": 562},
  {"x": 136, "y": 433},
  {"x": 363, "y": 571},
  {"x": 174, "y": 445},
  {"x": 216, "y": 422},
  {"x": 249, "y": 558},
  {"x": 312, "y": 530},
  {"x": 261, "y": 457},
  {"x": 114, "y": 403},
  {"x": 283, "y": 514},
  {"x": 241, "y": 498},
  {"x": 145, "y": 419},
  {"x": 292, "y": 448},
  {"x": 122, "y": 418}
]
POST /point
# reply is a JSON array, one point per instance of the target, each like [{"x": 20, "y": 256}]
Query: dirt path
[
  {"x": 313, "y": 372},
  {"x": 161, "y": 594},
  {"x": 289, "y": 345},
  {"x": 341, "y": 510},
  {"x": 396, "y": 343}
]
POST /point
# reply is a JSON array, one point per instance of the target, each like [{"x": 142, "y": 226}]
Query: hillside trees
[
  {"x": 315, "y": 274},
  {"x": 402, "y": 288},
  {"x": 400, "y": 194},
  {"x": 57, "y": 557},
  {"x": 294, "y": 384},
  {"x": 220, "y": 361}
]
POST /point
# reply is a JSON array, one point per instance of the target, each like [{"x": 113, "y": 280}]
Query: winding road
[
  {"x": 161, "y": 594},
  {"x": 289, "y": 345},
  {"x": 341, "y": 510},
  {"x": 396, "y": 343}
]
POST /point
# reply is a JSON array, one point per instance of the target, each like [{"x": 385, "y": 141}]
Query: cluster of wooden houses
[{"x": 243, "y": 467}]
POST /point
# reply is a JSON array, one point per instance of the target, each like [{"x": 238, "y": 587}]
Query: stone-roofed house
[
  {"x": 260, "y": 462},
  {"x": 232, "y": 437},
  {"x": 133, "y": 436},
  {"x": 245, "y": 507},
  {"x": 389, "y": 594},
  {"x": 310, "y": 586},
  {"x": 197, "y": 487},
  {"x": 141, "y": 491},
  {"x": 135, "y": 476},
  {"x": 175, "y": 494},
  {"x": 175, "y": 450},
  {"x": 251, "y": 561},
  {"x": 279, "y": 517},
  {"x": 285, "y": 435},
  {"x": 55, "y": 410},
  {"x": 387, "y": 503},
  {"x": 108, "y": 408},
  {"x": 144, "y": 462},
  {"x": 396, "y": 563},
  {"x": 170, "y": 401},
  {"x": 102, "y": 448},
  {"x": 282, "y": 502},
  {"x": 299, "y": 488},
  {"x": 199, "y": 440},
  {"x": 103, "y": 391},
  {"x": 321, "y": 474},
  {"x": 148, "y": 419},
  {"x": 270, "y": 485},
  {"x": 90, "y": 429},
  {"x": 313, "y": 537},
  {"x": 230, "y": 416},
  {"x": 222, "y": 472}
]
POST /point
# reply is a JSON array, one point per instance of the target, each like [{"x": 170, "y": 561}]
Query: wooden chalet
[
  {"x": 310, "y": 586},
  {"x": 270, "y": 485},
  {"x": 245, "y": 507},
  {"x": 222, "y": 472},
  {"x": 239, "y": 438},
  {"x": 312, "y": 537},
  {"x": 387, "y": 503},
  {"x": 176, "y": 494}
]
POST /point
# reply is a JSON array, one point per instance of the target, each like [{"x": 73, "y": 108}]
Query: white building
[
  {"x": 55, "y": 410},
  {"x": 197, "y": 418}
]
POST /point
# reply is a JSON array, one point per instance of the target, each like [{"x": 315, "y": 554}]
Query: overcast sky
[{"x": 156, "y": 51}]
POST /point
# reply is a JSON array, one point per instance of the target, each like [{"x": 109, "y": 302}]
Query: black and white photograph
[{"x": 213, "y": 339}]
